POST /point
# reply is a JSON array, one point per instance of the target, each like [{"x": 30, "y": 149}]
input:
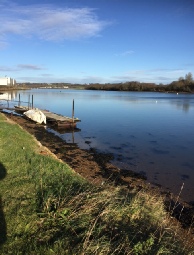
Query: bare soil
[{"x": 97, "y": 169}]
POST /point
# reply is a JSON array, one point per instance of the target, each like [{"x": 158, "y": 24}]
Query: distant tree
[
  {"x": 181, "y": 78},
  {"x": 189, "y": 77}
]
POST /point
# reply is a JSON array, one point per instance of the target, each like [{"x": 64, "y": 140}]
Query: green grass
[{"x": 46, "y": 208}]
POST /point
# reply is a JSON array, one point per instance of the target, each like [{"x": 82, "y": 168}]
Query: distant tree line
[
  {"x": 58, "y": 85},
  {"x": 182, "y": 85}
]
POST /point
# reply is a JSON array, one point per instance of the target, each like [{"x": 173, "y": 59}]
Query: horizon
[{"x": 104, "y": 41}]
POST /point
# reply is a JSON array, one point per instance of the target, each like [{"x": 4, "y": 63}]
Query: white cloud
[
  {"x": 21, "y": 67},
  {"x": 49, "y": 23},
  {"x": 125, "y": 53},
  {"x": 8, "y": 69},
  {"x": 46, "y": 75},
  {"x": 30, "y": 67},
  {"x": 157, "y": 75}
]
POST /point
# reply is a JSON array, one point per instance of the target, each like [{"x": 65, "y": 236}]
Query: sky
[{"x": 96, "y": 41}]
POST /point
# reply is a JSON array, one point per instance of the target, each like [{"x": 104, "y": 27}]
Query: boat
[
  {"x": 36, "y": 115},
  {"x": 21, "y": 109}
]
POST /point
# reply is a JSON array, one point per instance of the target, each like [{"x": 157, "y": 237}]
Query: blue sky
[{"x": 88, "y": 41}]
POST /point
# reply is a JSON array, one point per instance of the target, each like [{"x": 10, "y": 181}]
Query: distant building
[{"x": 7, "y": 81}]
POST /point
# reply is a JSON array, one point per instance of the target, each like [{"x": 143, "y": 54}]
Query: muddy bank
[{"x": 94, "y": 166}]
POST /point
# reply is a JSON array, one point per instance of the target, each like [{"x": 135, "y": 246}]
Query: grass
[{"x": 46, "y": 208}]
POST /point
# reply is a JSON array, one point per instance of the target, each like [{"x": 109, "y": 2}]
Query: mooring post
[
  {"x": 73, "y": 111},
  {"x": 73, "y": 140},
  {"x": 32, "y": 102},
  {"x": 28, "y": 102},
  {"x": 19, "y": 101}
]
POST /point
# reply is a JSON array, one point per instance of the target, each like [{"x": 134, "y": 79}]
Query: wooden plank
[{"x": 53, "y": 116}]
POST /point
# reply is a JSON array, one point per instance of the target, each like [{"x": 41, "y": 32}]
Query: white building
[{"x": 7, "y": 81}]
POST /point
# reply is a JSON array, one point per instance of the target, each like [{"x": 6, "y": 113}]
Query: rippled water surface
[{"x": 147, "y": 132}]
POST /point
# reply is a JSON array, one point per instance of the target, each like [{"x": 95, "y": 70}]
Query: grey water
[{"x": 148, "y": 132}]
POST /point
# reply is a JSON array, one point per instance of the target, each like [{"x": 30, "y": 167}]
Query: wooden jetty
[
  {"x": 53, "y": 118},
  {"x": 59, "y": 120}
]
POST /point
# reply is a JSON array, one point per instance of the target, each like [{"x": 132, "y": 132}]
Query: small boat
[
  {"x": 36, "y": 115},
  {"x": 21, "y": 109}
]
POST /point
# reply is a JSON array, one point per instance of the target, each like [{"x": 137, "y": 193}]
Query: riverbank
[{"x": 97, "y": 169}]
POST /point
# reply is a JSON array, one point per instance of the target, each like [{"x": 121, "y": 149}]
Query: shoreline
[{"x": 97, "y": 169}]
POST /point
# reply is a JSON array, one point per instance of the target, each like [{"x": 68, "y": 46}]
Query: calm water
[{"x": 152, "y": 133}]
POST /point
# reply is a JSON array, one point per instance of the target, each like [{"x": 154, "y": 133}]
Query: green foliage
[
  {"x": 182, "y": 85},
  {"x": 144, "y": 247}
]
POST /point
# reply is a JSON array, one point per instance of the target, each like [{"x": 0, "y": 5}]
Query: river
[{"x": 147, "y": 132}]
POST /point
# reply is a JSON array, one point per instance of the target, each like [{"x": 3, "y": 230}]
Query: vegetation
[
  {"x": 46, "y": 208},
  {"x": 182, "y": 85}
]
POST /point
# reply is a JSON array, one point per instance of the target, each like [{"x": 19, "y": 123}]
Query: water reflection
[
  {"x": 67, "y": 135},
  {"x": 8, "y": 95},
  {"x": 183, "y": 105}
]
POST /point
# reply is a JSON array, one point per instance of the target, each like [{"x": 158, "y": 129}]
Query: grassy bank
[{"x": 46, "y": 208}]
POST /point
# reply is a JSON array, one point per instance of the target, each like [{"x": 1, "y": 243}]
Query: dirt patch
[{"x": 96, "y": 168}]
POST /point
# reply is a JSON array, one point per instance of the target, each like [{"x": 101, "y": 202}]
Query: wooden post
[
  {"x": 32, "y": 102},
  {"x": 73, "y": 141},
  {"x": 8, "y": 103},
  {"x": 28, "y": 102},
  {"x": 73, "y": 111}
]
